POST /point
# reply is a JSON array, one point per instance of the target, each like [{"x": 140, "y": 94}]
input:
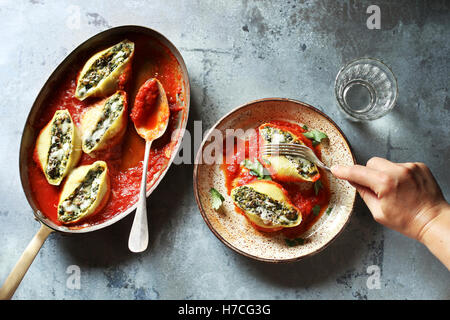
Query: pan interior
[{"x": 78, "y": 57}]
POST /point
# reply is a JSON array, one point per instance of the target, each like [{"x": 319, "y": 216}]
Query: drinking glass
[{"x": 366, "y": 89}]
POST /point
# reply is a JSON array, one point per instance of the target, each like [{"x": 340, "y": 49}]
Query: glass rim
[{"x": 343, "y": 108}]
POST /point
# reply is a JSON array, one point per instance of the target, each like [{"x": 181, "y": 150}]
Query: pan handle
[{"x": 18, "y": 272}]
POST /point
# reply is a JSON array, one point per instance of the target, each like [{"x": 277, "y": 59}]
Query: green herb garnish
[
  {"x": 294, "y": 242},
  {"x": 256, "y": 169},
  {"x": 316, "y": 210},
  {"x": 216, "y": 198},
  {"x": 317, "y": 186},
  {"x": 329, "y": 210},
  {"x": 316, "y": 136}
]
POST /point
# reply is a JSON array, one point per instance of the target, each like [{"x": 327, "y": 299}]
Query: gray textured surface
[{"x": 235, "y": 52}]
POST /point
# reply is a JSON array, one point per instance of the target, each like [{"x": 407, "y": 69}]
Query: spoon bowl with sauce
[{"x": 150, "y": 115}]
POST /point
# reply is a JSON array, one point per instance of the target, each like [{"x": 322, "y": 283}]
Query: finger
[
  {"x": 368, "y": 196},
  {"x": 363, "y": 176},
  {"x": 382, "y": 164},
  {"x": 372, "y": 202}
]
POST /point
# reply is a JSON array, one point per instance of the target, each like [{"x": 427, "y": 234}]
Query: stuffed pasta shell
[
  {"x": 266, "y": 204},
  {"x": 104, "y": 124},
  {"x": 103, "y": 72},
  {"x": 285, "y": 167},
  {"x": 58, "y": 147},
  {"x": 85, "y": 193}
]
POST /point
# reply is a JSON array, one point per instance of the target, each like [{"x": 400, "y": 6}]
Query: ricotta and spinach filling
[
  {"x": 111, "y": 111},
  {"x": 304, "y": 168},
  {"x": 81, "y": 199},
  {"x": 60, "y": 145},
  {"x": 110, "y": 60},
  {"x": 267, "y": 209},
  {"x": 275, "y": 135}
]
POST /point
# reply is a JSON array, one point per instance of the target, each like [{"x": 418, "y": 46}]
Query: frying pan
[{"x": 30, "y": 132}]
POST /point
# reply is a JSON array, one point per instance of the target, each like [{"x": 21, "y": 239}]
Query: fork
[{"x": 295, "y": 150}]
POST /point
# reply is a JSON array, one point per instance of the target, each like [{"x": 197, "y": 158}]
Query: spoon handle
[{"x": 138, "y": 240}]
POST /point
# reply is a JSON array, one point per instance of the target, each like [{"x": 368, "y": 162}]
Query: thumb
[
  {"x": 370, "y": 199},
  {"x": 364, "y": 180}
]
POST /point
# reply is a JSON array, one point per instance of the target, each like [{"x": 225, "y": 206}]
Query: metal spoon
[{"x": 138, "y": 240}]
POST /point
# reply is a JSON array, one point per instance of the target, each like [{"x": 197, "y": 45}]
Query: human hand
[{"x": 401, "y": 196}]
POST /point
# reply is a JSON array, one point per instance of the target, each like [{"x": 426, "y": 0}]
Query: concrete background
[{"x": 236, "y": 51}]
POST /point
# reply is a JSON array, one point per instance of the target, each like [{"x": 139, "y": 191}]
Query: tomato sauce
[
  {"x": 151, "y": 60},
  {"x": 143, "y": 113},
  {"x": 302, "y": 195}
]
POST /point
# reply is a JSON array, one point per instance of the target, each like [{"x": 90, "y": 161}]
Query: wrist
[{"x": 435, "y": 214}]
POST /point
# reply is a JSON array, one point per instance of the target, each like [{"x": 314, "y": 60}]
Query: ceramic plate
[{"x": 232, "y": 228}]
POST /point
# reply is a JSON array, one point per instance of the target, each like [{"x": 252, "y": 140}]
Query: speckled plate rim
[{"x": 202, "y": 210}]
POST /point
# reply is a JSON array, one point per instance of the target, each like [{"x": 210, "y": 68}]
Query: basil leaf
[
  {"x": 317, "y": 186},
  {"x": 316, "y": 210},
  {"x": 316, "y": 136},
  {"x": 329, "y": 210},
  {"x": 254, "y": 173},
  {"x": 290, "y": 242},
  {"x": 305, "y": 127},
  {"x": 216, "y": 198},
  {"x": 294, "y": 242},
  {"x": 256, "y": 169},
  {"x": 267, "y": 162}
]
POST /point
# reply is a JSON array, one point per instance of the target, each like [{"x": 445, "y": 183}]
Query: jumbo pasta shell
[
  {"x": 103, "y": 73},
  {"x": 282, "y": 167},
  {"x": 104, "y": 124},
  {"x": 266, "y": 204},
  {"x": 58, "y": 147},
  {"x": 85, "y": 193}
]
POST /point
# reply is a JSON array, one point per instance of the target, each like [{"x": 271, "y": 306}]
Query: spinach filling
[
  {"x": 264, "y": 206},
  {"x": 304, "y": 167},
  {"x": 111, "y": 111},
  {"x": 275, "y": 135},
  {"x": 60, "y": 146},
  {"x": 105, "y": 65},
  {"x": 82, "y": 197}
]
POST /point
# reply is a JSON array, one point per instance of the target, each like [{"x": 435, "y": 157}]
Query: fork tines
[
  {"x": 292, "y": 149},
  {"x": 285, "y": 147}
]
